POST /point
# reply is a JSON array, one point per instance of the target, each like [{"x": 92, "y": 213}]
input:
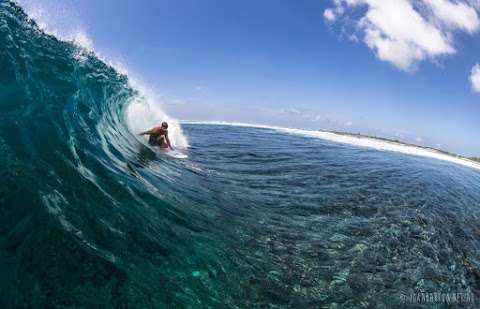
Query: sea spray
[
  {"x": 255, "y": 217},
  {"x": 145, "y": 110}
]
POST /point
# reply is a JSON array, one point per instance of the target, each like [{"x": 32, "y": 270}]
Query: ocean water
[{"x": 254, "y": 218}]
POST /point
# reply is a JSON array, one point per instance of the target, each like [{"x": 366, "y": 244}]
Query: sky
[{"x": 403, "y": 69}]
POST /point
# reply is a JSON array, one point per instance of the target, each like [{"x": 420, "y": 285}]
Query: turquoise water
[{"x": 254, "y": 218}]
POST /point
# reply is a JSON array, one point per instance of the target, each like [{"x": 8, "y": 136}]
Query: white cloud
[
  {"x": 405, "y": 32},
  {"x": 475, "y": 78},
  {"x": 457, "y": 15},
  {"x": 329, "y": 15},
  {"x": 200, "y": 89},
  {"x": 292, "y": 110}
]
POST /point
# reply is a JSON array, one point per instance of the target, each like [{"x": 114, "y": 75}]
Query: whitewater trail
[
  {"x": 91, "y": 218},
  {"x": 357, "y": 141}
]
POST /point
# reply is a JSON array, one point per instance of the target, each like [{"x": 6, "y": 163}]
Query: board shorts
[{"x": 158, "y": 141}]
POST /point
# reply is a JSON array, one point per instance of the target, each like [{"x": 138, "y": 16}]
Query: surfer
[{"x": 159, "y": 136}]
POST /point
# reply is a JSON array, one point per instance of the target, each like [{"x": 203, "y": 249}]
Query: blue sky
[{"x": 342, "y": 65}]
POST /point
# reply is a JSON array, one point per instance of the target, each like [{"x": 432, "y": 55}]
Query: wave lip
[
  {"x": 367, "y": 142},
  {"x": 143, "y": 110},
  {"x": 76, "y": 179}
]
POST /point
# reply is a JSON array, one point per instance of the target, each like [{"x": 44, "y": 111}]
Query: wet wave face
[{"x": 253, "y": 218}]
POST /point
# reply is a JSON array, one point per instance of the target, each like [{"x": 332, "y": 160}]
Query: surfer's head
[{"x": 164, "y": 125}]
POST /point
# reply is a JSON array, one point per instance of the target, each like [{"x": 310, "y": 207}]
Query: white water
[
  {"x": 141, "y": 116},
  {"x": 357, "y": 141},
  {"x": 146, "y": 112},
  {"x": 57, "y": 19}
]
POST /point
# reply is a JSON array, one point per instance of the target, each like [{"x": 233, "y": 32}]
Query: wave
[
  {"x": 91, "y": 217},
  {"x": 357, "y": 141},
  {"x": 144, "y": 110},
  {"x": 78, "y": 185}
]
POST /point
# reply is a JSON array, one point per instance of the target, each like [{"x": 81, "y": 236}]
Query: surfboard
[
  {"x": 171, "y": 153},
  {"x": 176, "y": 154}
]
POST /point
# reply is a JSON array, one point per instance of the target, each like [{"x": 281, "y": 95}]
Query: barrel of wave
[{"x": 143, "y": 115}]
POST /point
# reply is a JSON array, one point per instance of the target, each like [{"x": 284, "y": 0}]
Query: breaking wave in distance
[
  {"x": 250, "y": 217},
  {"x": 358, "y": 141}
]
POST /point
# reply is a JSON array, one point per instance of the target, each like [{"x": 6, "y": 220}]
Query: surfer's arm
[
  {"x": 148, "y": 132},
  {"x": 168, "y": 141}
]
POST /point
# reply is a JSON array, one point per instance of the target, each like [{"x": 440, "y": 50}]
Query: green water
[{"x": 90, "y": 217}]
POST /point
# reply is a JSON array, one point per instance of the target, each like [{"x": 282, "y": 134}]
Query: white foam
[
  {"x": 357, "y": 141},
  {"x": 142, "y": 116},
  {"x": 57, "y": 19},
  {"x": 54, "y": 18}
]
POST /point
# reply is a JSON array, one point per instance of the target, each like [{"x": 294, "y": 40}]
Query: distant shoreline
[
  {"x": 401, "y": 143},
  {"x": 366, "y": 140}
]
